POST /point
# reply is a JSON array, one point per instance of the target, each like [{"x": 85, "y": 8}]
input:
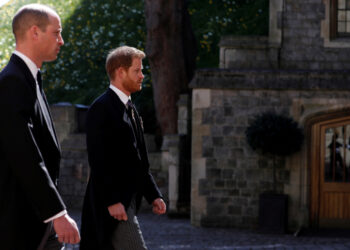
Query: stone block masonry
[
  {"x": 74, "y": 169},
  {"x": 297, "y": 70},
  {"x": 303, "y": 43},
  {"x": 227, "y": 175}
]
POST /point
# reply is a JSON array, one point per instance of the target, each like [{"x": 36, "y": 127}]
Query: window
[
  {"x": 340, "y": 19},
  {"x": 337, "y": 154}
]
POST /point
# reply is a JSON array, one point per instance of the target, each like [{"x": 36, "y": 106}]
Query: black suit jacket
[
  {"x": 119, "y": 169},
  {"x": 29, "y": 161}
]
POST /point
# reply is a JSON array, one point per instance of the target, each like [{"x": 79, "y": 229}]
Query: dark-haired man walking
[
  {"x": 31, "y": 209},
  {"x": 118, "y": 159}
]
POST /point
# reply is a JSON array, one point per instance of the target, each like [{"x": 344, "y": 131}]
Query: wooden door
[{"x": 330, "y": 174}]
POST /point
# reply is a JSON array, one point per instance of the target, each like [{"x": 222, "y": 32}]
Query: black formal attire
[
  {"x": 119, "y": 169},
  {"x": 29, "y": 161}
]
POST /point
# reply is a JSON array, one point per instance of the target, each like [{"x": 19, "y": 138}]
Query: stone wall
[
  {"x": 298, "y": 40},
  {"x": 296, "y": 70},
  {"x": 247, "y": 52},
  {"x": 305, "y": 42},
  {"x": 176, "y": 155},
  {"x": 74, "y": 170},
  {"x": 227, "y": 176}
]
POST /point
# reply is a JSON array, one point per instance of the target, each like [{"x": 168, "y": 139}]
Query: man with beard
[{"x": 120, "y": 174}]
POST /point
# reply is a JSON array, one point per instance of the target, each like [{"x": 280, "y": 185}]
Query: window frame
[{"x": 333, "y": 29}]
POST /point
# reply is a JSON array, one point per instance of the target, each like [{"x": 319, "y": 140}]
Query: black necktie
[
  {"x": 39, "y": 80},
  {"x": 132, "y": 113},
  {"x": 42, "y": 102}
]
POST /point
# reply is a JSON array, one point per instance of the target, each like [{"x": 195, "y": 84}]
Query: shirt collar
[
  {"x": 122, "y": 96},
  {"x": 31, "y": 65}
]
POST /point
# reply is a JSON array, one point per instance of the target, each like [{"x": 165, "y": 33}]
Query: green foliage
[
  {"x": 212, "y": 19},
  {"x": 92, "y": 28},
  {"x": 274, "y": 134},
  {"x": 7, "y": 11}
]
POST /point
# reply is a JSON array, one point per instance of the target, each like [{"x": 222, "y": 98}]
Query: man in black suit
[
  {"x": 31, "y": 209},
  {"x": 120, "y": 174}
]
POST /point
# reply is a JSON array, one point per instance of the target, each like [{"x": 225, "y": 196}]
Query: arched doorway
[{"x": 329, "y": 153}]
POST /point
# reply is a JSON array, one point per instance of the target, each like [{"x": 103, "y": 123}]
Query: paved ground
[{"x": 161, "y": 232}]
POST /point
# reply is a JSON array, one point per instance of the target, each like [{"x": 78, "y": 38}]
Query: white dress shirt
[
  {"x": 34, "y": 70},
  {"x": 31, "y": 65},
  {"x": 122, "y": 96}
]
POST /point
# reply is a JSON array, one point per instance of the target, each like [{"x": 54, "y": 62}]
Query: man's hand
[
  {"x": 159, "y": 206},
  {"x": 66, "y": 229},
  {"x": 117, "y": 211}
]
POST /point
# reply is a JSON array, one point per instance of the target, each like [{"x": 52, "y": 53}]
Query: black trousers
[{"x": 50, "y": 239}]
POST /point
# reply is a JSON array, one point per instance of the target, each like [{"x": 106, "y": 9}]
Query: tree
[
  {"x": 171, "y": 51},
  {"x": 274, "y": 135}
]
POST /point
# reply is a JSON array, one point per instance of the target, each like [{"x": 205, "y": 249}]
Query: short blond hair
[
  {"x": 121, "y": 57},
  {"x": 29, "y": 15}
]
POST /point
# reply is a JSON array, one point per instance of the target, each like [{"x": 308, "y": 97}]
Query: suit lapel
[
  {"x": 32, "y": 85},
  {"x": 120, "y": 107},
  {"x": 138, "y": 143},
  {"x": 142, "y": 146},
  {"x": 50, "y": 126}
]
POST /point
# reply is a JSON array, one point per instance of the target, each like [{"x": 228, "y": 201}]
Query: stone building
[{"x": 301, "y": 69}]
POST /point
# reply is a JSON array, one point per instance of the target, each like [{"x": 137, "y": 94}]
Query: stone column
[
  {"x": 176, "y": 156},
  {"x": 275, "y": 23},
  {"x": 200, "y": 101},
  {"x": 184, "y": 133},
  {"x": 170, "y": 156}
]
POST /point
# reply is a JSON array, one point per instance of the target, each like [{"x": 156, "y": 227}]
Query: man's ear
[
  {"x": 121, "y": 72},
  {"x": 34, "y": 32}
]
